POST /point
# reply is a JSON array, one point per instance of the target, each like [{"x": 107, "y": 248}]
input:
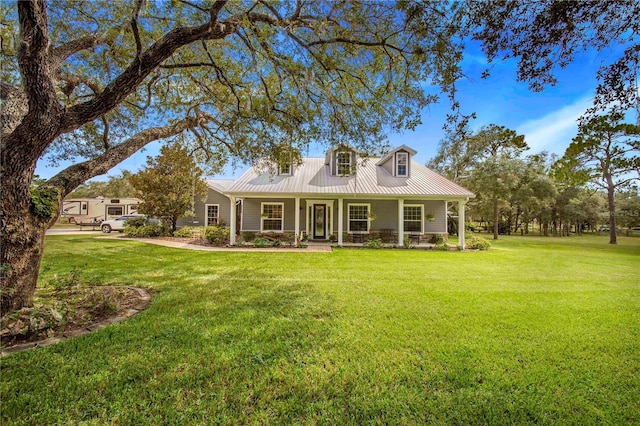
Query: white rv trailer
[{"x": 95, "y": 210}]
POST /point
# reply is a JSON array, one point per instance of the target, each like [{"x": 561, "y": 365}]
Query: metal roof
[
  {"x": 220, "y": 185},
  {"x": 313, "y": 177}
]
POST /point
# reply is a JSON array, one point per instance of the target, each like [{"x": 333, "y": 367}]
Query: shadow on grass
[{"x": 218, "y": 350}]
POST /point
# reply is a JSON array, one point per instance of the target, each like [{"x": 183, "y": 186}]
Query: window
[
  {"x": 343, "y": 163},
  {"x": 115, "y": 210},
  {"x": 284, "y": 169},
  {"x": 272, "y": 217},
  {"x": 359, "y": 218},
  {"x": 413, "y": 218},
  {"x": 213, "y": 211},
  {"x": 84, "y": 206},
  {"x": 402, "y": 160}
]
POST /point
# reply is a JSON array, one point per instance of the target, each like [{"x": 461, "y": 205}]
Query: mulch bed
[{"x": 69, "y": 312}]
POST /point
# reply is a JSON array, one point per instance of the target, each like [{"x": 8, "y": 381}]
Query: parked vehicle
[{"x": 118, "y": 223}]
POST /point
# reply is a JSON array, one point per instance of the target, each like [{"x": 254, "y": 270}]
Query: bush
[
  {"x": 188, "y": 232},
  {"x": 373, "y": 244},
  {"x": 441, "y": 246},
  {"x": 260, "y": 242},
  {"x": 476, "y": 243},
  {"x": 216, "y": 235},
  {"x": 436, "y": 239},
  {"x": 136, "y": 222},
  {"x": 248, "y": 236},
  {"x": 147, "y": 231}
]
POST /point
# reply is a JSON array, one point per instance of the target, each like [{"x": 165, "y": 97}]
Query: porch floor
[{"x": 421, "y": 245}]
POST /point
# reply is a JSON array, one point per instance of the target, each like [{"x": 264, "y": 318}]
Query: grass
[{"x": 534, "y": 331}]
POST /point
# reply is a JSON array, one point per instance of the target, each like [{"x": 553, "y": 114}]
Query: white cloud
[{"x": 554, "y": 131}]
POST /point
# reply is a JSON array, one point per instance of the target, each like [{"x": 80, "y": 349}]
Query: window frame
[
  {"x": 109, "y": 208},
  {"x": 284, "y": 169},
  {"x": 404, "y": 220},
  {"x": 349, "y": 220},
  {"x": 206, "y": 214},
  {"x": 341, "y": 165},
  {"x": 405, "y": 155},
  {"x": 263, "y": 218}
]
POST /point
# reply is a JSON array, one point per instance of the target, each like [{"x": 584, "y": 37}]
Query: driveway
[{"x": 70, "y": 231}]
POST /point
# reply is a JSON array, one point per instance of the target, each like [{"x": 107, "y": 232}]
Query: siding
[
  {"x": 252, "y": 210},
  {"x": 213, "y": 197}
]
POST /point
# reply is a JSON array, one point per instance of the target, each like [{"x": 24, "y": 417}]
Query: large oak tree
[{"x": 94, "y": 82}]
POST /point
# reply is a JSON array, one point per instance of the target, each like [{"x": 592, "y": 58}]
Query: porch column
[
  {"x": 232, "y": 222},
  {"x": 297, "y": 219},
  {"x": 340, "y": 220},
  {"x": 401, "y": 222},
  {"x": 461, "y": 227}
]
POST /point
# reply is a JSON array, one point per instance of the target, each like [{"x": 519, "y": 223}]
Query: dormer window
[
  {"x": 284, "y": 169},
  {"x": 343, "y": 163},
  {"x": 402, "y": 164}
]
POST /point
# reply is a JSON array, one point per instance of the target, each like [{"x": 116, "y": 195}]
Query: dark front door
[{"x": 319, "y": 222}]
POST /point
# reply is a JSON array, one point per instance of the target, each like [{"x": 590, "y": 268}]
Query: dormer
[
  {"x": 398, "y": 161},
  {"x": 342, "y": 160}
]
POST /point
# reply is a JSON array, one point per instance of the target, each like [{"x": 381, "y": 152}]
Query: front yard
[{"x": 536, "y": 330}]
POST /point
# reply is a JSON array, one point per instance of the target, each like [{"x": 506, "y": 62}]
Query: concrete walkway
[{"x": 317, "y": 248}]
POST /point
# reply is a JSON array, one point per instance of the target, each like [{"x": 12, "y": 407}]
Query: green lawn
[{"x": 535, "y": 331}]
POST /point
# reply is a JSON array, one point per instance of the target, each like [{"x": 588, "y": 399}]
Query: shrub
[
  {"x": 407, "y": 243},
  {"x": 260, "y": 242},
  {"x": 136, "y": 222},
  {"x": 373, "y": 244},
  {"x": 441, "y": 246},
  {"x": 436, "y": 239},
  {"x": 248, "y": 236},
  {"x": 188, "y": 232},
  {"x": 216, "y": 235},
  {"x": 477, "y": 243},
  {"x": 147, "y": 231}
]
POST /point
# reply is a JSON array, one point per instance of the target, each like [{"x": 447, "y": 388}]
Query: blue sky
[{"x": 547, "y": 119}]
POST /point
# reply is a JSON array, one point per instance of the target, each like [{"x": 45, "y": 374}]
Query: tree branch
[
  {"x": 70, "y": 178},
  {"x": 62, "y": 52}
]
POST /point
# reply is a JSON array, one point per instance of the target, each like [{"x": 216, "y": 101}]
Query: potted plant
[{"x": 429, "y": 217}]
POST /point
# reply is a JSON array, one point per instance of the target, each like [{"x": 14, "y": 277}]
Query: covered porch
[{"x": 346, "y": 221}]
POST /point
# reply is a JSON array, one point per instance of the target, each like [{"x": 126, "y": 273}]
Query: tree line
[{"x": 594, "y": 183}]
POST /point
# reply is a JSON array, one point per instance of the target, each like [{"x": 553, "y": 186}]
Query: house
[
  {"x": 97, "y": 209},
  {"x": 340, "y": 197}
]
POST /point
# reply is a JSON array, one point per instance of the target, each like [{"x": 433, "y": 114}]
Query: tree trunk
[
  {"x": 613, "y": 238},
  {"x": 22, "y": 245},
  {"x": 495, "y": 220}
]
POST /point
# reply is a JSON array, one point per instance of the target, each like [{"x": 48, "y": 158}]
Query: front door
[{"x": 319, "y": 222}]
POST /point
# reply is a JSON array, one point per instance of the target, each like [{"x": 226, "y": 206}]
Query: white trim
[
  {"x": 328, "y": 204},
  {"x": 461, "y": 228},
  {"x": 349, "y": 217},
  {"x": 421, "y": 206},
  {"x": 262, "y": 219},
  {"x": 349, "y": 154},
  {"x": 232, "y": 221},
  {"x": 396, "y": 164},
  {"x": 283, "y": 173},
  {"x": 296, "y": 224},
  {"x": 340, "y": 219},
  {"x": 400, "y": 222},
  {"x": 206, "y": 214}
]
